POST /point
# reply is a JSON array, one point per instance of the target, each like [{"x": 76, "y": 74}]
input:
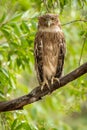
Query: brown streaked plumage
[{"x": 49, "y": 49}]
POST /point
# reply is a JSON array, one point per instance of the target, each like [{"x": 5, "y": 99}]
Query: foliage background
[{"x": 65, "y": 109}]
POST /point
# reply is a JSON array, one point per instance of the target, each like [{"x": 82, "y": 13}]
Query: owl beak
[{"x": 49, "y": 23}]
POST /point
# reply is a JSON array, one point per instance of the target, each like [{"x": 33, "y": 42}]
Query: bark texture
[{"x": 37, "y": 94}]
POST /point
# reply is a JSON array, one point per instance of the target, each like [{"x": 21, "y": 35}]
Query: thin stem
[
  {"x": 74, "y": 21},
  {"x": 82, "y": 51}
]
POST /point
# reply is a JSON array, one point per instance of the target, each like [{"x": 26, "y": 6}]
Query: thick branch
[{"x": 36, "y": 94}]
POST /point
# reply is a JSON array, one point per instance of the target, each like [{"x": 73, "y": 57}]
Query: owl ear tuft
[{"x": 56, "y": 15}]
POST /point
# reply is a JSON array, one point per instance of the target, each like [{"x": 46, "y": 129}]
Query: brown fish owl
[{"x": 49, "y": 49}]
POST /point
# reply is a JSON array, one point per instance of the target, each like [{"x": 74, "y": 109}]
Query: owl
[{"x": 49, "y": 50}]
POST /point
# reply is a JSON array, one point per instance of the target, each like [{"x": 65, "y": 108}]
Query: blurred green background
[{"x": 65, "y": 109}]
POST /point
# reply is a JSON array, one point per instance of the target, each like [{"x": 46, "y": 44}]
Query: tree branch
[
  {"x": 36, "y": 94},
  {"x": 74, "y": 21}
]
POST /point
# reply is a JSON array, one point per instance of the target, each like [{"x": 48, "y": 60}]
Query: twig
[
  {"x": 46, "y": 6},
  {"x": 82, "y": 51},
  {"x": 74, "y": 21},
  {"x": 37, "y": 94}
]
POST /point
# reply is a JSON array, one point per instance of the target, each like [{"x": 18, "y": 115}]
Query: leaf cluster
[{"x": 18, "y": 25}]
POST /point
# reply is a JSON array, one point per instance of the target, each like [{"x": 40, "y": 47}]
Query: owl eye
[
  {"x": 44, "y": 19},
  {"x": 52, "y": 18}
]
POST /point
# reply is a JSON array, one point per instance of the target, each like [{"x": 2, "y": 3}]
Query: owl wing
[
  {"x": 38, "y": 53},
  {"x": 61, "y": 56}
]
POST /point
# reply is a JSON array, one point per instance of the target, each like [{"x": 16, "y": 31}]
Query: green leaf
[
  {"x": 23, "y": 126},
  {"x": 1, "y": 94},
  {"x": 14, "y": 124},
  {"x": 16, "y": 28},
  {"x": 25, "y": 26},
  {"x": 3, "y": 18},
  {"x": 16, "y": 16}
]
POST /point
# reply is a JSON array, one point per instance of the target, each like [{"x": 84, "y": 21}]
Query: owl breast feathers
[{"x": 49, "y": 48}]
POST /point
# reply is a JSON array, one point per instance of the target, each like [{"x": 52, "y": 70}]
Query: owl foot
[
  {"x": 45, "y": 82},
  {"x": 55, "y": 79}
]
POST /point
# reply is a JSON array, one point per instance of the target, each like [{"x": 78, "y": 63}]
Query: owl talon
[
  {"x": 45, "y": 83},
  {"x": 55, "y": 79}
]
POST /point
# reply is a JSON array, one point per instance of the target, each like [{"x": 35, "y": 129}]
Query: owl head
[{"x": 48, "y": 20}]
